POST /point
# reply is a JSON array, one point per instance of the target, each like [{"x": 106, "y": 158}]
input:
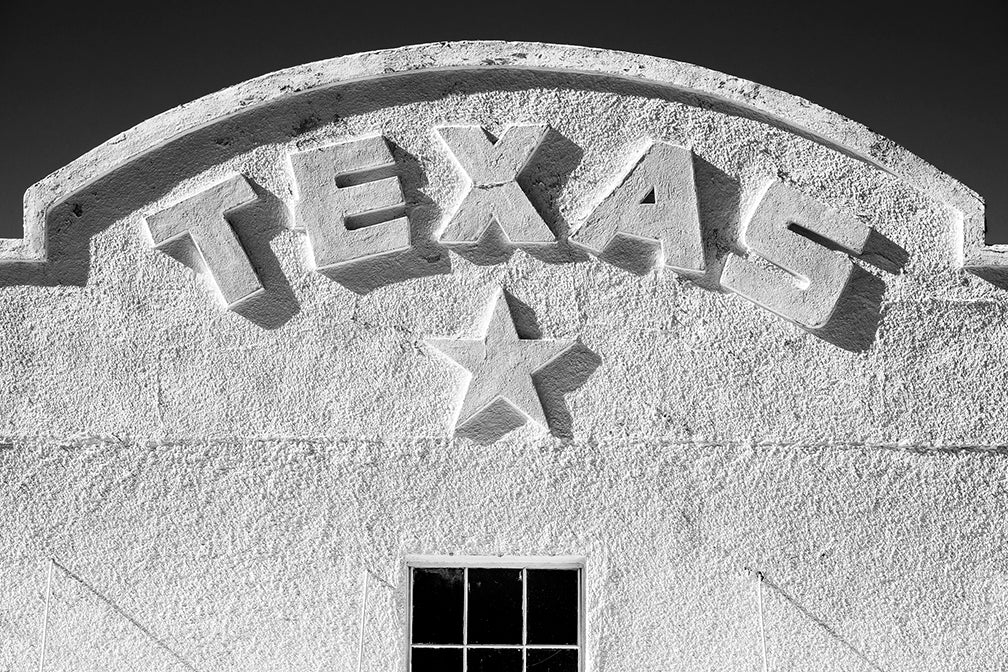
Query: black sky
[{"x": 934, "y": 81}]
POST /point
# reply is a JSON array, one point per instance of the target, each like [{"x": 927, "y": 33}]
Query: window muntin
[{"x": 503, "y": 618}]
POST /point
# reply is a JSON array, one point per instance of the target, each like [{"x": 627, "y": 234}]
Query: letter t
[{"x": 203, "y": 220}]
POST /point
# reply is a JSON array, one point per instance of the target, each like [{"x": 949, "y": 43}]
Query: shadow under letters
[{"x": 844, "y": 310}]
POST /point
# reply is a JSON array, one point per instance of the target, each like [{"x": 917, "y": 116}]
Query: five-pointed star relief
[{"x": 501, "y": 365}]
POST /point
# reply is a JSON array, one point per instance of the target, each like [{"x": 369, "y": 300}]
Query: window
[{"x": 522, "y": 617}]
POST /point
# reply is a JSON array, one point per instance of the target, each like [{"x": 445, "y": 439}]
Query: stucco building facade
[{"x": 504, "y": 356}]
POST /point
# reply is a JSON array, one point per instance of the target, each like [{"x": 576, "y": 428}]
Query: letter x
[{"x": 495, "y": 196}]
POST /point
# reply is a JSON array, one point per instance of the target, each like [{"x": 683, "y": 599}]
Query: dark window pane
[
  {"x": 494, "y": 660},
  {"x": 552, "y": 660},
  {"x": 437, "y": 660},
  {"x": 552, "y": 606},
  {"x": 495, "y": 606},
  {"x": 437, "y": 605}
]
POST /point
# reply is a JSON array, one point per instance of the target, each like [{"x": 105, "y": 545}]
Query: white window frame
[{"x": 524, "y": 563}]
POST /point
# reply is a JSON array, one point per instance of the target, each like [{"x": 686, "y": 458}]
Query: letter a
[{"x": 656, "y": 201}]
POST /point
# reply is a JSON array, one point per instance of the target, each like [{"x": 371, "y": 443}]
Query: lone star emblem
[{"x": 501, "y": 364}]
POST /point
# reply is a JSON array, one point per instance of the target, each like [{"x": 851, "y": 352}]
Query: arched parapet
[
  {"x": 682, "y": 80},
  {"x": 442, "y": 169},
  {"x": 285, "y": 125}
]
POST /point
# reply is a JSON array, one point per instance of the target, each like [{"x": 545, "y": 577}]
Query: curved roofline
[{"x": 788, "y": 111}]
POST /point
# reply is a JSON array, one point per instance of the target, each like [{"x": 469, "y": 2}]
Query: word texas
[{"x": 350, "y": 203}]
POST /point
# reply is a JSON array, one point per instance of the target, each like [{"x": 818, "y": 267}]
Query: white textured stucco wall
[{"x": 224, "y": 477}]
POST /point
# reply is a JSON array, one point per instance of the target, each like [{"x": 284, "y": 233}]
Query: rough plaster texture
[
  {"x": 492, "y": 165},
  {"x": 770, "y": 235},
  {"x": 325, "y": 213},
  {"x": 502, "y": 367},
  {"x": 201, "y": 221},
  {"x": 213, "y": 482},
  {"x": 656, "y": 201}
]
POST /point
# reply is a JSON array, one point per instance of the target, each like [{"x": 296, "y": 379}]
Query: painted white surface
[
  {"x": 656, "y": 200},
  {"x": 223, "y": 476},
  {"x": 324, "y": 212},
  {"x": 502, "y": 366}
]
